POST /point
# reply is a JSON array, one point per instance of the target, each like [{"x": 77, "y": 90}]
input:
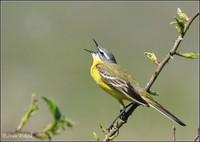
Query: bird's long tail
[{"x": 165, "y": 112}]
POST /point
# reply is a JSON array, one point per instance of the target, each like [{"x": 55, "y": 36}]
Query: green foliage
[
  {"x": 154, "y": 93},
  {"x": 53, "y": 108},
  {"x": 180, "y": 21},
  {"x": 189, "y": 55},
  {"x": 182, "y": 15},
  {"x": 152, "y": 57},
  {"x": 95, "y": 136},
  {"x": 59, "y": 124},
  {"x": 29, "y": 112}
]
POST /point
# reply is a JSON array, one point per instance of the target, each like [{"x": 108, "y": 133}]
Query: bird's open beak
[{"x": 92, "y": 52}]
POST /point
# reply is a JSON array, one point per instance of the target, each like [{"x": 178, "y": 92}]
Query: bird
[{"x": 116, "y": 81}]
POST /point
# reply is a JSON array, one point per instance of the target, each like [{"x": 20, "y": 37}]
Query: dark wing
[{"x": 113, "y": 78}]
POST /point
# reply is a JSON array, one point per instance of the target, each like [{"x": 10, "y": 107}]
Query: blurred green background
[{"x": 42, "y": 53}]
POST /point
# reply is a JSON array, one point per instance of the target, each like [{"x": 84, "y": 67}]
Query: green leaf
[
  {"x": 53, "y": 107},
  {"x": 180, "y": 21},
  {"x": 154, "y": 93},
  {"x": 189, "y": 55},
  {"x": 59, "y": 124},
  {"x": 68, "y": 122},
  {"x": 95, "y": 136},
  {"x": 54, "y": 128},
  {"x": 103, "y": 129},
  {"x": 152, "y": 57},
  {"x": 180, "y": 25},
  {"x": 182, "y": 15},
  {"x": 29, "y": 112}
]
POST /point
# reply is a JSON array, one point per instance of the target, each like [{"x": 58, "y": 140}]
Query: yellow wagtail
[{"x": 116, "y": 81}]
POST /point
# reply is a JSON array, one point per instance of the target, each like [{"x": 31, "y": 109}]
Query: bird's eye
[{"x": 101, "y": 52}]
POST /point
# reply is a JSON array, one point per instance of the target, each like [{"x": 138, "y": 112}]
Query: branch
[
  {"x": 58, "y": 125},
  {"x": 174, "y": 133},
  {"x": 111, "y": 134},
  {"x": 197, "y": 135},
  {"x": 170, "y": 54}
]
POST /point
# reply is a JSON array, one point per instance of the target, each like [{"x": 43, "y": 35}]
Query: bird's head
[{"x": 103, "y": 54}]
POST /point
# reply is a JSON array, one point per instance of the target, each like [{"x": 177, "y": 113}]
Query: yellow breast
[{"x": 110, "y": 90}]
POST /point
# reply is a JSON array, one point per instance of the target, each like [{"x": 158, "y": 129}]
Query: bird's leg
[
  {"x": 121, "y": 114},
  {"x": 122, "y": 110},
  {"x": 129, "y": 105}
]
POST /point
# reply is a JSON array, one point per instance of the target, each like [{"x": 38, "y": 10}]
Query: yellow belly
[{"x": 110, "y": 90}]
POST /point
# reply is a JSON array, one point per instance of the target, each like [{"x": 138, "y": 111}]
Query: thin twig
[
  {"x": 174, "y": 133},
  {"x": 112, "y": 132},
  {"x": 197, "y": 135},
  {"x": 170, "y": 54},
  {"x": 120, "y": 122}
]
